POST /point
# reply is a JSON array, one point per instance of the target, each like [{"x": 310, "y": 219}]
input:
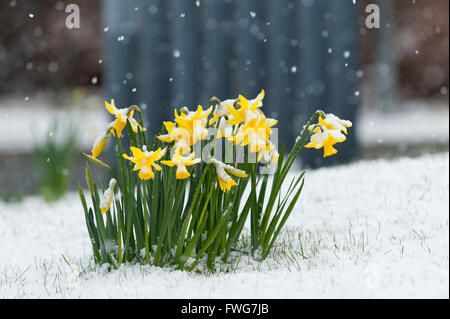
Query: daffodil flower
[
  {"x": 108, "y": 195},
  {"x": 332, "y": 122},
  {"x": 181, "y": 162},
  {"x": 270, "y": 154},
  {"x": 221, "y": 110},
  {"x": 194, "y": 122},
  {"x": 255, "y": 133},
  {"x": 179, "y": 135},
  {"x": 249, "y": 110},
  {"x": 144, "y": 161},
  {"x": 122, "y": 115},
  {"x": 225, "y": 180},
  {"x": 326, "y": 138},
  {"x": 189, "y": 127}
]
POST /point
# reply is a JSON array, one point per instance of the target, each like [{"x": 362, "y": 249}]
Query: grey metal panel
[{"x": 182, "y": 54}]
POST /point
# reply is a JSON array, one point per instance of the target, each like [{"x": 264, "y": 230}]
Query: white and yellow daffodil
[
  {"x": 194, "y": 122},
  {"x": 221, "y": 110},
  {"x": 249, "y": 109},
  {"x": 225, "y": 180},
  {"x": 270, "y": 154},
  {"x": 255, "y": 133},
  {"x": 122, "y": 115},
  {"x": 325, "y": 138},
  {"x": 180, "y": 135},
  {"x": 332, "y": 122},
  {"x": 181, "y": 162},
  {"x": 107, "y": 198},
  {"x": 144, "y": 161},
  {"x": 189, "y": 127}
]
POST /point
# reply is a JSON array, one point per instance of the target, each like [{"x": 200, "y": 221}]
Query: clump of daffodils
[{"x": 176, "y": 199}]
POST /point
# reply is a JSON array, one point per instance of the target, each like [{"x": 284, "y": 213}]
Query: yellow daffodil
[
  {"x": 248, "y": 110},
  {"x": 181, "y": 162},
  {"x": 255, "y": 133},
  {"x": 122, "y": 115},
  {"x": 332, "y": 122},
  {"x": 180, "y": 135},
  {"x": 221, "y": 110},
  {"x": 270, "y": 154},
  {"x": 194, "y": 122},
  {"x": 108, "y": 195},
  {"x": 225, "y": 180},
  {"x": 326, "y": 138},
  {"x": 145, "y": 160},
  {"x": 189, "y": 127}
]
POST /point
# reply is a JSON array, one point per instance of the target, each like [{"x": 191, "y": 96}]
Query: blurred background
[{"x": 392, "y": 81}]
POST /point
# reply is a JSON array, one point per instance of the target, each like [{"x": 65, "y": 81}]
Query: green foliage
[
  {"x": 52, "y": 160},
  {"x": 11, "y": 196}
]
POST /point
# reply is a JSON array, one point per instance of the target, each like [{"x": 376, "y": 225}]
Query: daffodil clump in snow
[{"x": 181, "y": 198}]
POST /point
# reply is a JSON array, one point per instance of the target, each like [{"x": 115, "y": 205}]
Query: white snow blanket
[{"x": 372, "y": 229}]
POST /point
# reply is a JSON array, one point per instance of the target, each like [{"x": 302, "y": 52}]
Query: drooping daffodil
[
  {"x": 119, "y": 123},
  {"x": 225, "y": 180},
  {"x": 145, "y": 161},
  {"x": 122, "y": 115},
  {"x": 332, "y": 122},
  {"x": 325, "y": 138}
]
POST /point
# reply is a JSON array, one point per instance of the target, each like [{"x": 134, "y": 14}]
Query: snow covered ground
[
  {"x": 375, "y": 229},
  {"x": 414, "y": 123},
  {"x": 23, "y": 123}
]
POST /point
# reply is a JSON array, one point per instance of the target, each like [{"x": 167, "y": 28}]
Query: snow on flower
[
  {"x": 108, "y": 196},
  {"x": 225, "y": 180}
]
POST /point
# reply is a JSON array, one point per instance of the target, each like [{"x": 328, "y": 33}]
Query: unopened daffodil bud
[
  {"x": 100, "y": 144},
  {"x": 108, "y": 196}
]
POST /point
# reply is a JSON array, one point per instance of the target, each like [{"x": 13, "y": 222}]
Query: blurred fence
[{"x": 162, "y": 54}]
